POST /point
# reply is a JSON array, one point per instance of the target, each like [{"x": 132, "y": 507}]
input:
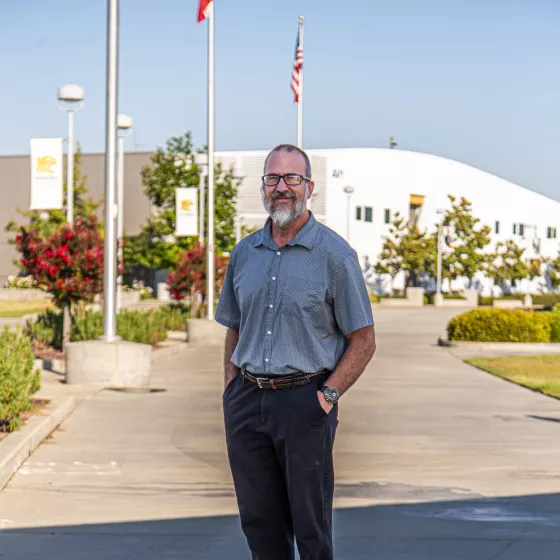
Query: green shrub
[
  {"x": 174, "y": 316},
  {"x": 46, "y": 329},
  {"x": 374, "y": 298},
  {"x": 500, "y": 325},
  {"x": 139, "y": 326},
  {"x": 548, "y": 300},
  {"x": 485, "y": 300},
  {"x": 18, "y": 377},
  {"x": 146, "y": 327},
  {"x": 554, "y": 320}
]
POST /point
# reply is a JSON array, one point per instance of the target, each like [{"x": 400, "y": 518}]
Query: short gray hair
[{"x": 290, "y": 148}]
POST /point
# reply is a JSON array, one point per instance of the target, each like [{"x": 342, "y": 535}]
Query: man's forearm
[
  {"x": 357, "y": 356},
  {"x": 230, "y": 370}
]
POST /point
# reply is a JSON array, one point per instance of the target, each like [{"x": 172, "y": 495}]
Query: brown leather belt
[{"x": 284, "y": 382}]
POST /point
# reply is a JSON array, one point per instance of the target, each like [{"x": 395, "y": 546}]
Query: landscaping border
[
  {"x": 19, "y": 445},
  {"x": 169, "y": 347}
]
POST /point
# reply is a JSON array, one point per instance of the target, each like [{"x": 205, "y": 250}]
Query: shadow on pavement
[{"x": 509, "y": 528}]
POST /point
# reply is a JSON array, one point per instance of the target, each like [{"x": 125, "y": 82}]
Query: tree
[
  {"x": 407, "y": 249},
  {"x": 189, "y": 277},
  {"x": 84, "y": 206},
  {"x": 156, "y": 245},
  {"x": 468, "y": 256},
  {"x": 68, "y": 263},
  {"x": 507, "y": 265}
]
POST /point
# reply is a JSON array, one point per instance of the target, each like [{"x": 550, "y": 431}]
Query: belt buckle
[{"x": 259, "y": 379}]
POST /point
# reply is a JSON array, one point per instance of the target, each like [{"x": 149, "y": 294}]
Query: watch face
[{"x": 330, "y": 394}]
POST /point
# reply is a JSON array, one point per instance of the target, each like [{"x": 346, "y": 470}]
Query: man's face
[{"x": 285, "y": 202}]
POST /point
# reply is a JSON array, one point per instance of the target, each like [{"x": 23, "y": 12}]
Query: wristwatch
[{"x": 331, "y": 395}]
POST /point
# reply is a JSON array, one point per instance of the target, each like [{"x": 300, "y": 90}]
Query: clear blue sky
[{"x": 473, "y": 80}]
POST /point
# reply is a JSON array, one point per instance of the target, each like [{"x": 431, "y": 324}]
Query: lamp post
[
  {"x": 201, "y": 161},
  {"x": 124, "y": 126},
  {"x": 349, "y": 190},
  {"x": 71, "y": 100},
  {"x": 439, "y": 212},
  {"x": 438, "y": 299}
]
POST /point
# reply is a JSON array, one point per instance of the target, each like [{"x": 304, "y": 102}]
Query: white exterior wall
[{"x": 384, "y": 178}]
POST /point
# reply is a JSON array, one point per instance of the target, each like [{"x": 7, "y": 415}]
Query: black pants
[{"x": 280, "y": 451}]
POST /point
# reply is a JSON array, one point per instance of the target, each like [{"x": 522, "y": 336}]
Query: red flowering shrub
[
  {"x": 189, "y": 278},
  {"x": 68, "y": 264}
]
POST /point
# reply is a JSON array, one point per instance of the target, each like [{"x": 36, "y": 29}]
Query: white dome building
[{"x": 414, "y": 184}]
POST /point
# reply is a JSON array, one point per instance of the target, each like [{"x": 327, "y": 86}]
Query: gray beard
[{"x": 283, "y": 218}]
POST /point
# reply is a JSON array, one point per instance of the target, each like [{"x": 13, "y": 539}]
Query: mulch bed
[
  {"x": 36, "y": 410},
  {"x": 47, "y": 352}
]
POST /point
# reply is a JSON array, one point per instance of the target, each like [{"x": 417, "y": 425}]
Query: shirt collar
[{"x": 305, "y": 237}]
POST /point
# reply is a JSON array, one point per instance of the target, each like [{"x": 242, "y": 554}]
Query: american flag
[
  {"x": 298, "y": 65},
  {"x": 202, "y": 10}
]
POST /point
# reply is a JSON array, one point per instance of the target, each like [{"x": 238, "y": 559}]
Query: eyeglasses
[{"x": 291, "y": 179}]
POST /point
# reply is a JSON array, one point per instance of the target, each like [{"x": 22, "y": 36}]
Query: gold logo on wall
[
  {"x": 45, "y": 164},
  {"x": 186, "y": 205}
]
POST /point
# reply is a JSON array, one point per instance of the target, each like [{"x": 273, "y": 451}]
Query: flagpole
[
  {"x": 300, "y": 100},
  {"x": 210, "y": 254}
]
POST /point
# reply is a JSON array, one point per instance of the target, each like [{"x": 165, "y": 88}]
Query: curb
[
  {"x": 530, "y": 347},
  {"x": 18, "y": 446}
]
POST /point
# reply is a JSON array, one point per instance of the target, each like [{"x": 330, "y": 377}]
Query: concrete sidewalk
[{"x": 434, "y": 461}]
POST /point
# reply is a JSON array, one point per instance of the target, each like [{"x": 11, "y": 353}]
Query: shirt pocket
[{"x": 303, "y": 297}]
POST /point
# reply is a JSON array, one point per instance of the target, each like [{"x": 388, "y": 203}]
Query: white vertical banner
[
  {"x": 186, "y": 209},
  {"x": 46, "y": 174}
]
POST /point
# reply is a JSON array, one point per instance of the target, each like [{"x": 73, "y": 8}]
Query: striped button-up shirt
[{"x": 293, "y": 306}]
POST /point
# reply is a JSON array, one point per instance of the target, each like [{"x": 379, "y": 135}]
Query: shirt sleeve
[
  {"x": 228, "y": 313},
  {"x": 352, "y": 308}
]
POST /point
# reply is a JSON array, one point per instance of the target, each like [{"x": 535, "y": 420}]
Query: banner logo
[{"x": 45, "y": 164}]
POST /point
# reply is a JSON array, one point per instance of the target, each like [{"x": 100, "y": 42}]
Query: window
[
  {"x": 387, "y": 216},
  {"x": 521, "y": 229},
  {"x": 551, "y": 233},
  {"x": 368, "y": 217},
  {"x": 497, "y": 227},
  {"x": 358, "y": 212},
  {"x": 514, "y": 229},
  {"x": 416, "y": 204}
]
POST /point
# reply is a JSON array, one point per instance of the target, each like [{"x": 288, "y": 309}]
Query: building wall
[
  {"x": 386, "y": 179},
  {"x": 15, "y": 189},
  {"x": 382, "y": 179}
]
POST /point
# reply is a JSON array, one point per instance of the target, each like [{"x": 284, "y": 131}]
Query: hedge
[
  {"x": 548, "y": 300},
  {"x": 505, "y": 325},
  {"x": 18, "y": 377}
]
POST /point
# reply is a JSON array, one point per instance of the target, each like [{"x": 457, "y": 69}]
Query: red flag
[{"x": 202, "y": 9}]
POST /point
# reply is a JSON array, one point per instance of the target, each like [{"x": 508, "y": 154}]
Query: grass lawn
[
  {"x": 20, "y": 308},
  {"x": 540, "y": 373}
]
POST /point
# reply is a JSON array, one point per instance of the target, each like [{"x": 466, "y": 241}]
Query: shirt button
[
  {"x": 274, "y": 277},
  {"x": 266, "y": 359},
  {"x": 278, "y": 253},
  {"x": 269, "y": 332},
  {"x": 270, "y": 306}
]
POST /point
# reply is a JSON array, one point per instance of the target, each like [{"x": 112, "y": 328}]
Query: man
[{"x": 300, "y": 333}]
